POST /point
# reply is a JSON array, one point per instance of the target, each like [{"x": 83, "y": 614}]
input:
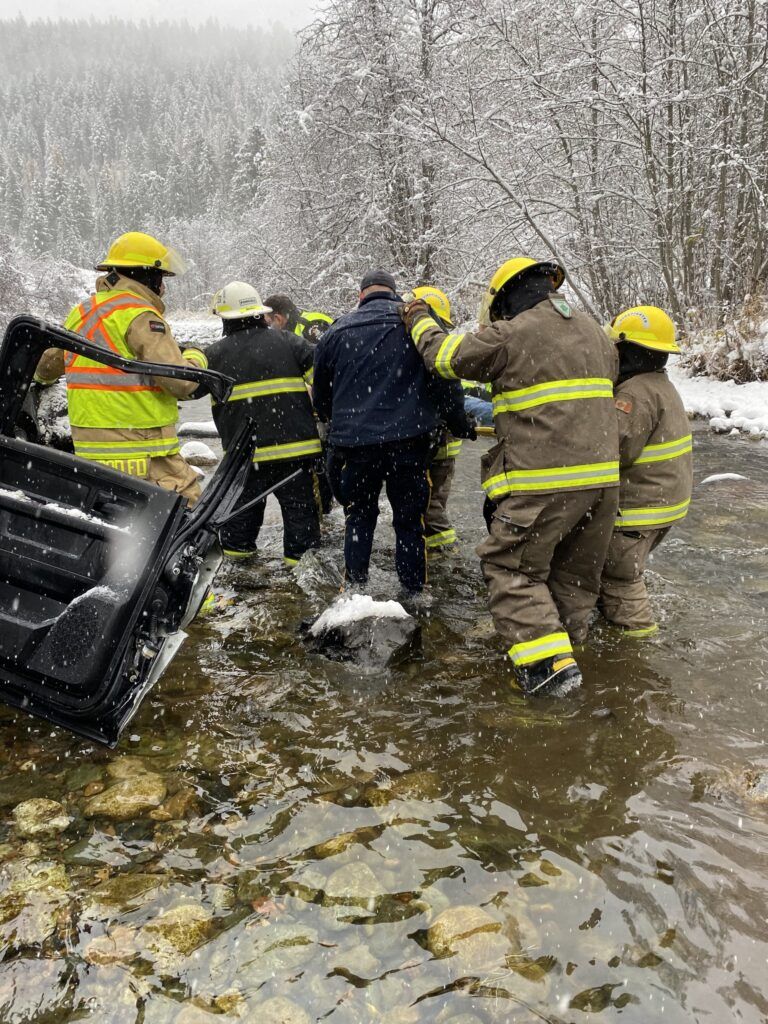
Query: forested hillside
[{"x": 433, "y": 136}]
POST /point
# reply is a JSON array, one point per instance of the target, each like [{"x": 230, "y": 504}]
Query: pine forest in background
[{"x": 434, "y": 137}]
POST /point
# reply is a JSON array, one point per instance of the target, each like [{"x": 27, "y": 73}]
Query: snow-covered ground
[{"x": 730, "y": 408}]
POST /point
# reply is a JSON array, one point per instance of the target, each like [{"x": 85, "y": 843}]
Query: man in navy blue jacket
[{"x": 384, "y": 410}]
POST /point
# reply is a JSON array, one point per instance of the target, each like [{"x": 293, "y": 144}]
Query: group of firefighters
[{"x": 591, "y": 467}]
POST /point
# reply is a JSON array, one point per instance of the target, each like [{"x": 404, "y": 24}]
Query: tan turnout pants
[
  {"x": 623, "y": 596},
  {"x": 438, "y": 530},
  {"x": 542, "y": 564}
]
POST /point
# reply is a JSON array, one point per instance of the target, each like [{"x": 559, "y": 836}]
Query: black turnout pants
[
  {"x": 361, "y": 472},
  {"x": 298, "y": 504}
]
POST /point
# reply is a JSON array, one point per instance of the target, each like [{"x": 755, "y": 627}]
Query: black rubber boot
[{"x": 555, "y": 675}]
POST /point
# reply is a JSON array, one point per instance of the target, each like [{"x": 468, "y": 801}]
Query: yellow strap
[{"x": 542, "y": 647}]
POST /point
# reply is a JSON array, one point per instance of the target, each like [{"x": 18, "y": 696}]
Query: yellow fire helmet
[
  {"x": 648, "y": 326},
  {"x": 506, "y": 272},
  {"x": 237, "y": 300},
  {"x": 437, "y": 300},
  {"x": 135, "y": 249}
]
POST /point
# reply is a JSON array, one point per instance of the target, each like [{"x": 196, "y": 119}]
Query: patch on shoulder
[
  {"x": 623, "y": 404},
  {"x": 157, "y": 326},
  {"x": 561, "y": 305}
]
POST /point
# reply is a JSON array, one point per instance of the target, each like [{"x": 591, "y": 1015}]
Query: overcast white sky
[{"x": 292, "y": 13}]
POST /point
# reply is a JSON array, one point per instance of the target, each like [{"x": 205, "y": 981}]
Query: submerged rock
[
  {"x": 116, "y": 947},
  {"x": 470, "y": 935},
  {"x": 128, "y": 799},
  {"x": 34, "y": 895},
  {"x": 370, "y": 633},
  {"x": 124, "y": 892},
  {"x": 169, "y": 939},
  {"x": 278, "y": 1010},
  {"x": 40, "y": 817},
  {"x": 354, "y": 885}
]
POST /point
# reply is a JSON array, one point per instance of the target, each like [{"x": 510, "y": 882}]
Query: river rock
[
  {"x": 117, "y": 947},
  {"x": 354, "y": 885},
  {"x": 40, "y": 817},
  {"x": 180, "y": 930},
  {"x": 34, "y": 894},
  {"x": 277, "y": 1010},
  {"x": 124, "y": 892},
  {"x": 372, "y": 634},
  {"x": 471, "y": 935},
  {"x": 128, "y": 799},
  {"x": 198, "y": 453}
]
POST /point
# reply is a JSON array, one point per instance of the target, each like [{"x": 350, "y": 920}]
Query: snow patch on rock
[
  {"x": 197, "y": 453},
  {"x": 355, "y": 608}
]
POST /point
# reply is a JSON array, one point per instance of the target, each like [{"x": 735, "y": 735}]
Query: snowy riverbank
[{"x": 730, "y": 408}]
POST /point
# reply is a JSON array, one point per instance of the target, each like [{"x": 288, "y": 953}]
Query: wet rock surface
[
  {"x": 369, "y": 633},
  {"x": 129, "y": 798},
  {"x": 40, "y": 817}
]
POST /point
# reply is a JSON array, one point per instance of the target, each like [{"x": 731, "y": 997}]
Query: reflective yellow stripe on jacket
[
  {"x": 552, "y": 391},
  {"x": 448, "y": 451},
  {"x": 447, "y": 350},
  {"x": 667, "y": 450},
  {"x": 262, "y": 388},
  {"x": 647, "y": 518},
  {"x": 557, "y": 478},
  {"x": 290, "y": 450},
  {"x": 108, "y": 450},
  {"x": 542, "y": 647}
]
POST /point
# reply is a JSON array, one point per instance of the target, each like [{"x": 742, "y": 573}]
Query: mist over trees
[{"x": 436, "y": 137}]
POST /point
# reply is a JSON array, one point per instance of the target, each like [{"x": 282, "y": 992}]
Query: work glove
[
  {"x": 461, "y": 425},
  {"x": 412, "y": 312}
]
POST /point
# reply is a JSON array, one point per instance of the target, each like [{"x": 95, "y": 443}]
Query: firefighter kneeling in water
[
  {"x": 656, "y": 463},
  {"x": 123, "y": 420},
  {"x": 552, "y": 480}
]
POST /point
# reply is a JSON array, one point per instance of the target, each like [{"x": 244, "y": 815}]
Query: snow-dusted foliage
[{"x": 628, "y": 138}]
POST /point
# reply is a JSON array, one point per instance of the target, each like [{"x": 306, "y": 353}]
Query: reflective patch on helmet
[
  {"x": 623, "y": 404},
  {"x": 157, "y": 326}
]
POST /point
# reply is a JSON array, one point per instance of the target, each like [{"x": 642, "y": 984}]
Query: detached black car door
[{"x": 99, "y": 571}]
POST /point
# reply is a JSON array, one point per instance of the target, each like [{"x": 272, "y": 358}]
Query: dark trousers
[
  {"x": 400, "y": 466},
  {"x": 301, "y": 520}
]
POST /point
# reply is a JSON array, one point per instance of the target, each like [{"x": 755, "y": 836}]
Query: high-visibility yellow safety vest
[
  {"x": 100, "y": 396},
  {"x": 307, "y": 317}
]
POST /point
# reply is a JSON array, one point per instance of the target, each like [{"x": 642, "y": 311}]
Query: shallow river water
[{"x": 420, "y": 844}]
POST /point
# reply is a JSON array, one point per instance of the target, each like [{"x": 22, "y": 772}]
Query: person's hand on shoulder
[{"x": 412, "y": 312}]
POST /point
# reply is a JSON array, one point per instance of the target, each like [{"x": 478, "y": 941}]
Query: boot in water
[{"x": 553, "y": 676}]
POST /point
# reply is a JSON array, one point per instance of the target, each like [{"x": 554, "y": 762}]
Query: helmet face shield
[{"x": 172, "y": 263}]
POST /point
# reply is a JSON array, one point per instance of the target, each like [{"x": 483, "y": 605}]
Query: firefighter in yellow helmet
[
  {"x": 123, "y": 420},
  {"x": 656, "y": 463},
  {"x": 439, "y": 533},
  {"x": 551, "y": 481}
]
